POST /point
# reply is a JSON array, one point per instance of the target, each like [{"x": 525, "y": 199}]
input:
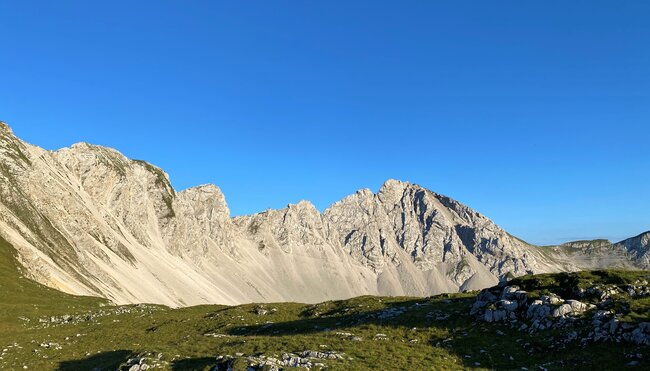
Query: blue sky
[{"x": 536, "y": 114}]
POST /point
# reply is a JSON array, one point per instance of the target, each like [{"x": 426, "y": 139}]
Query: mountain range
[{"x": 87, "y": 220}]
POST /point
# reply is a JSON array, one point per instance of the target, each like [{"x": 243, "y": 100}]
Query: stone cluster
[
  {"x": 596, "y": 316},
  {"x": 71, "y": 319},
  {"x": 307, "y": 359}
]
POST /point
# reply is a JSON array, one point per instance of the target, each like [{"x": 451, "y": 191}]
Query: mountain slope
[
  {"x": 638, "y": 247},
  {"x": 48, "y": 330},
  {"x": 87, "y": 220},
  {"x": 23, "y": 297}
]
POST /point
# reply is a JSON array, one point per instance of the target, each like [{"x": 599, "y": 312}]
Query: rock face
[
  {"x": 639, "y": 247},
  {"x": 88, "y": 220}
]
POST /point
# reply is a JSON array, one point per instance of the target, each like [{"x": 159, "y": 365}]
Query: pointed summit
[
  {"x": 5, "y": 130},
  {"x": 642, "y": 240},
  {"x": 12, "y": 148},
  {"x": 304, "y": 205},
  {"x": 398, "y": 186},
  {"x": 394, "y": 183}
]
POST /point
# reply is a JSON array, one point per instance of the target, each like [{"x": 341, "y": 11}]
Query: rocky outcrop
[
  {"x": 87, "y": 220},
  {"x": 307, "y": 359},
  {"x": 594, "y": 314}
]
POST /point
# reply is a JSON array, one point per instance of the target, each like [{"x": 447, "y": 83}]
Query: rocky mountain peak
[
  {"x": 639, "y": 247},
  {"x": 207, "y": 189},
  {"x": 81, "y": 146},
  {"x": 364, "y": 193},
  {"x": 5, "y": 127},
  {"x": 96, "y": 150},
  {"x": 645, "y": 236},
  {"x": 6, "y": 134},
  {"x": 206, "y": 195},
  {"x": 393, "y": 185},
  {"x": 304, "y": 205},
  {"x": 14, "y": 152},
  {"x": 642, "y": 240},
  {"x": 392, "y": 191},
  {"x": 89, "y": 220}
]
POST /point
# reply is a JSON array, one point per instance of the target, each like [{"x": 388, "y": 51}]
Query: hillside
[
  {"x": 24, "y": 297},
  {"x": 47, "y": 330}
]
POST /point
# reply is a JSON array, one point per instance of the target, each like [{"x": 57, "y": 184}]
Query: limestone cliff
[{"x": 88, "y": 220}]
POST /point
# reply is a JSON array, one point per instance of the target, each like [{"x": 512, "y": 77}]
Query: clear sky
[{"x": 535, "y": 113}]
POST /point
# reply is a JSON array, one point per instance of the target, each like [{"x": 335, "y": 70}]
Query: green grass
[
  {"x": 424, "y": 333},
  {"x": 566, "y": 284},
  {"x": 24, "y": 297}
]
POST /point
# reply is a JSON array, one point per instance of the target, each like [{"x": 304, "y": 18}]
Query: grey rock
[
  {"x": 508, "y": 306},
  {"x": 120, "y": 222},
  {"x": 571, "y": 308},
  {"x": 508, "y": 292},
  {"x": 538, "y": 310},
  {"x": 552, "y": 299}
]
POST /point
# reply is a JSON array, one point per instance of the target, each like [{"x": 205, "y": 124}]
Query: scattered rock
[
  {"x": 512, "y": 305},
  {"x": 305, "y": 359}
]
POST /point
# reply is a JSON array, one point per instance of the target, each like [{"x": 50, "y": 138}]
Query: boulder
[
  {"x": 551, "y": 299},
  {"x": 507, "y": 305},
  {"x": 508, "y": 292},
  {"x": 486, "y": 296},
  {"x": 571, "y": 308},
  {"x": 494, "y": 315},
  {"x": 538, "y": 310},
  {"x": 478, "y": 306}
]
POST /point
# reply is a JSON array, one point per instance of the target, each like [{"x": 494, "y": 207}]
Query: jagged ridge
[{"x": 88, "y": 220}]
